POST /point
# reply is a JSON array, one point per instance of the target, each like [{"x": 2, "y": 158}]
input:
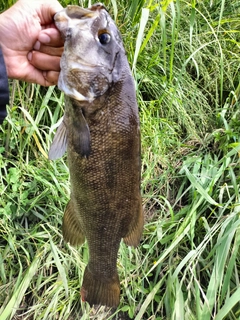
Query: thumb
[{"x": 47, "y": 10}]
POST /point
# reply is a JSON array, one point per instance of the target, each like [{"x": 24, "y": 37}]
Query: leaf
[{"x": 199, "y": 188}]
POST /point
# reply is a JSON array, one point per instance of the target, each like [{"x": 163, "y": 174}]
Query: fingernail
[
  {"x": 44, "y": 38},
  {"x": 37, "y": 45},
  {"x": 29, "y": 56}
]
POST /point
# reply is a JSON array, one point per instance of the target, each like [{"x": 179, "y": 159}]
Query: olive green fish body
[{"x": 101, "y": 131}]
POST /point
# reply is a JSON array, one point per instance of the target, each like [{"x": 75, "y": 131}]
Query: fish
[{"x": 101, "y": 133}]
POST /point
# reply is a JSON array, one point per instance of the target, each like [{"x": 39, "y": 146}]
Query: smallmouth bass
[{"x": 100, "y": 131}]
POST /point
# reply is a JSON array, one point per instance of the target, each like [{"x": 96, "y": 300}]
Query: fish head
[{"x": 91, "y": 62}]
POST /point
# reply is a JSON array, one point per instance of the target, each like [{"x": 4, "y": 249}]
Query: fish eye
[{"x": 104, "y": 38}]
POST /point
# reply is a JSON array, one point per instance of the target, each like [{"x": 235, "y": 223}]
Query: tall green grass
[{"x": 185, "y": 61}]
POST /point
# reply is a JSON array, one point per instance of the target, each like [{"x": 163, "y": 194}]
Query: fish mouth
[
  {"x": 79, "y": 13},
  {"x": 76, "y": 12},
  {"x": 73, "y": 12}
]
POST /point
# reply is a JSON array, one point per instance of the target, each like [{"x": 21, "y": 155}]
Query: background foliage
[{"x": 185, "y": 61}]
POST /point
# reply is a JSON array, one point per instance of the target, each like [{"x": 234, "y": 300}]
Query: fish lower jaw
[{"x": 73, "y": 93}]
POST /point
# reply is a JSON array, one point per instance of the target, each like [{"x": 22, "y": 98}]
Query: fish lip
[
  {"x": 97, "y": 6},
  {"x": 75, "y": 12},
  {"x": 80, "y": 64}
]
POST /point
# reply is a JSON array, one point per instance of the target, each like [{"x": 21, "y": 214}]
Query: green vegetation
[{"x": 185, "y": 57}]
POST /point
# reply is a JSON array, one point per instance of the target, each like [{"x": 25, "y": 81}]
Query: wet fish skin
[{"x": 101, "y": 133}]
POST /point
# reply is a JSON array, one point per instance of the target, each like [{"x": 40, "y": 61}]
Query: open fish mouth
[
  {"x": 76, "y": 12},
  {"x": 68, "y": 17},
  {"x": 73, "y": 12},
  {"x": 78, "y": 63},
  {"x": 73, "y": 17}
]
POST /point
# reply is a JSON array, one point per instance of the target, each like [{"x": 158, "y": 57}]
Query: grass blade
[
  {"x": 228, "y": 305},
  {"x": 143, "y": 22},
  {"x": 62, "y": 272},
  {"x": 17, "y": 297}
]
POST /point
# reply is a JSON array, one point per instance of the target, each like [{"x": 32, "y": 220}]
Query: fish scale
[{"x": 101, "y": 134}]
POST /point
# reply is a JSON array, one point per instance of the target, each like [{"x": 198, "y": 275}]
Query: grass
[{"x": 185, "y": 61}]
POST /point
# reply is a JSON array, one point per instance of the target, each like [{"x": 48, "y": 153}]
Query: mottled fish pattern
[{"x": 100, "y": 131}]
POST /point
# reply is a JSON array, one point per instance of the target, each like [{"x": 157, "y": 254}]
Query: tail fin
[
  {"x": 71, "y": 228},
  {"x": 100, "y": 291}
]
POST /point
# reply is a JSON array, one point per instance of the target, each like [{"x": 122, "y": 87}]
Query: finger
[
  {"x": 51, "y": 77},
  {"x": 34, "y": 75},
  {"x": 44, "y": 61},
  {"x": 44, "y": 78},
  {"x": 52, "y": 51},
  {"x": 50, "y": 37}
]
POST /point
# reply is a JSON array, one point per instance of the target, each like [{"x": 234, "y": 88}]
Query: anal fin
[
  {"x": 135, "y": 229},
  {"x": 71, "y": 228}
]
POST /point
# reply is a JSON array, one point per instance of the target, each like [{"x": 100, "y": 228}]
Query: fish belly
[{"x": 105, "y": 203}]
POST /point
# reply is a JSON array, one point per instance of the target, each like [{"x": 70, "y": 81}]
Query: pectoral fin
[
  {"x": 59, "y": 144},
  {"x": 80, "y": 137},
  {"x": 71, "y": 228}
]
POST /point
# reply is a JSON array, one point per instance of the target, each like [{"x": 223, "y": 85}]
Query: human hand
[{"x": 30, "y": 42}]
